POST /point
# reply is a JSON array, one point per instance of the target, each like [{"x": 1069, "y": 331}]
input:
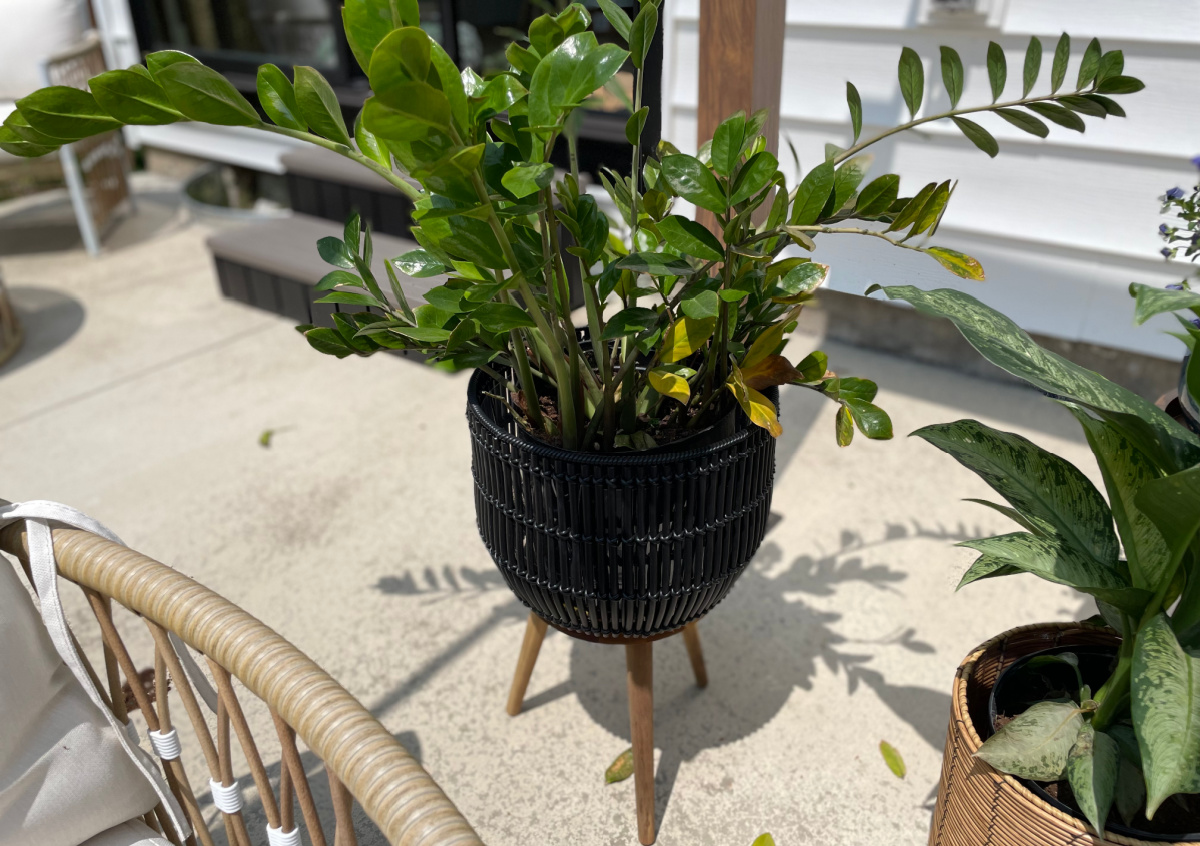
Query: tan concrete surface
[{"x": 140, "y": 399}]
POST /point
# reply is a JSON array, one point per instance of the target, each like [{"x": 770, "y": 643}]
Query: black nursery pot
[
  {"x": 632, "y": 544},
  {"x": 1020, "y": 686}
]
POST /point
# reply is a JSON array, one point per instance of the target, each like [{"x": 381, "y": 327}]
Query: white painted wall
[{"x": 1062, "y": 226}]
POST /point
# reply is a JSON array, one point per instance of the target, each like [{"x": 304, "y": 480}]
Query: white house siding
[{"x": 1062, "y": 226}]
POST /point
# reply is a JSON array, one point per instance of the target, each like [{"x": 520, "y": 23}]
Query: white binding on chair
[
  {"x": 279, "y": 837},
  {"x": 227, "y": 798},
  {"x": 166, "y": 744}
]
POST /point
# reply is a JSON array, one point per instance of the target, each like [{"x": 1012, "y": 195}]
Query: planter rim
[
  {"x": 635, "y": 459},
  {"x": 961, "y": 714}
]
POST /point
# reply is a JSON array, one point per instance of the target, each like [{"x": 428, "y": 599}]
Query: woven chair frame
[
  {"x": 363, "y": 761},
  {"x": 980, "y": 806}
]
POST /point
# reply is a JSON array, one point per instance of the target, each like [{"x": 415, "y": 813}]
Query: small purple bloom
[
  {"x": 1167, "y": 252},
  {"x": 1196, "y": 161},
  {"x": 1174, "y": 287},
  {"x": 1162, "y": 229},
  {"x": 1175, "y": 194},
  {"x": 1196, "y": 322}
]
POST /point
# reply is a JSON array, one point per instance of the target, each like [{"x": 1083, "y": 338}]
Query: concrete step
[
  {"x": 274, "y": 266},
  {"x": 323, "y": 184}
]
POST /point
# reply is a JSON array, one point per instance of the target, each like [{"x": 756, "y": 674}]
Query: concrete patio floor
[{"x": 140, "y": 398}]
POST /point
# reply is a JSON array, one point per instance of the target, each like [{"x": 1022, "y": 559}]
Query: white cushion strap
[
  {"x": 166, "y": 744},
  {"x": 37, "y": 516},
  {"x": 279, "y": 837},
  {"x": 227, "y": 798}
]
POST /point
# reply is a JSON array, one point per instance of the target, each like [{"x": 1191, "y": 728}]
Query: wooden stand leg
[
  {"x": 639, "y": 664},
  {"x": 691, "y": 637},
  {"x": 535, "y": 631}
]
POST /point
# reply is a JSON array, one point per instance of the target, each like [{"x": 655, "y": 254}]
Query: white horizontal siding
[{"x": 1062, "y": 225}]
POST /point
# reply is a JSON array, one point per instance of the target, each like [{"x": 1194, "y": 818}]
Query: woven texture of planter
[
  {"x": 605, "y": 545},
  {"x": 976, "y": 804}
]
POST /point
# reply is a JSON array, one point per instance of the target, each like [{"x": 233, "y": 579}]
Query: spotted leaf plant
[
  {"x": 683, "y": 323},
  {"x": 1133, "y": 741}
]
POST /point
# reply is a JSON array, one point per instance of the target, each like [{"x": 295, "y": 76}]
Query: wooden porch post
[{"x": 741, "y": 65}]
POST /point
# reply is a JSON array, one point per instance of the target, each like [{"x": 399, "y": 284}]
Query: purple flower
[
  {"x": 1162, "y": 229},
  {"x": 1175, "y": 194},
  {"x": 1196, "y": 161},
  {"x": 1196, "y": 322},
  {"x": 1167, "y": 252},
  {"x": 1174, "y": 287}
]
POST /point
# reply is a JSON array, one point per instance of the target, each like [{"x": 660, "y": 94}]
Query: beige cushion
[
  {"x": 132, "y": 833},
  {"x": 64, "y": 777}
]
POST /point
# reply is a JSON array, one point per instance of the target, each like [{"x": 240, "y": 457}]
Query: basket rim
[
  {"x": 475, "y": 410},
  {"x": 961, "y": 717}
]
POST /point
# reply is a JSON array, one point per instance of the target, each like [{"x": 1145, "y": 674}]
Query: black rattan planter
[{"x": 605, "y": 545}]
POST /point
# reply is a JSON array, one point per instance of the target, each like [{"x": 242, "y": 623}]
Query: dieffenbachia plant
[
  {"x": 1135, "y": 741},
  {"x": 683, "y": 322}
]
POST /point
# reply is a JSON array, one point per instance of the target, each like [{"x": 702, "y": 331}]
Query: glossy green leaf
[
  {"x": 202, "y": 94},
  {"x": 1126, "y": 469},
  {"x": 1037, "y": 483},
  {"x": 690, "y": 238},
  {"x": 157, "y": 61},
  {"x": 1120, "y": 85},
  {"x": 641, "y": 34},
  {"x": 1173, "y": 504},
  {"x": 524, "y": 180},
  {"x": 569, "y": 75},
  {"x": 404, "y": 55},
  {"x": 754, "y": 176},
  {"x": 1035, "y": 744},
  {"x": 1033, "y": 66},
  {"x": 335, "y": 278},
  {"x": 997, "y": 68},
  {"x": 419, "y": 263},
  {"x": 450, "y": 78},
  {"x": 977, "y": 135},
  {"x": 367, "y": 22},
  {"x": 1089, "y": 64},
  {"x": 656, "y": 264},
  {"x": 333, "y": 251},
  {"x": 892, "y": 758},
  {"x": 617, "y": 17},
  {"x": 812, "y": 194},
  {"x": 418, "y": 108},
  {"x": 879, "y": 194},
  {"x": 474, "y": 241},
  {"x": 65, "y": 113},
  {"x": 635, "y": 125},
  {"x": 1062, "y": 55},
  {"x": 349, "y": 298},
  {"x": 986, "y": 567},
  {"x": 854, "y": 101},
  {"x": 1166, "y": 712},
  {"x": 912, "y": 79},
  {"x": 133, "y": 98},
  {"x": 501, "y": 317},
  {"x": 804, "y": 278},
  {"x": 319, "y": 106},
  {"x": 1092, "y": 767},
  {"x": 693, "y": 181},
  {"x": 1153, "y": 300},
  {"x": 630, "y": 321},
  {"x": 871, "y": 420},
  {"x": 278, "y": 98},
  {"x": 701, "y": 305},
  {"x": 1112, "y": 64},
  {"x": 370, "y": 145},
  {"x": 1084, "y": 106},
  {"x": 1025, "y": 122},
  {"x": 952, "y": 74},
  {"x": 328, "y": 341},
  {"x": 19, "y": 126},
  {"x": 727, "y": 141},
  {"x": 1058, "y": 114},
  {"x": 931, "y": 212},
  {"x": 14, "y": 144},
  {"x": 847, "y": 178}
]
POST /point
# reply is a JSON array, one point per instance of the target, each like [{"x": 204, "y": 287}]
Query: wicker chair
[{"x": 362, "y": 760}]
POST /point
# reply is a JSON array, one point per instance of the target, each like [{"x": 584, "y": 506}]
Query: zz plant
[
  {"x": 682, "y": 322},
  {"x": 1135, "y": 741}
]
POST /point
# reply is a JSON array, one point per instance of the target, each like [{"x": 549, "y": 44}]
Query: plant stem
[
  {"x": 635, "y": 180},
  {"x": 406, "y": 188},
  {"x": 847, "y": 153}
]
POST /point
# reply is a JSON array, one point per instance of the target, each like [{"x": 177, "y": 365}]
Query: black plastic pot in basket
[{"x": 629, "y": 544}]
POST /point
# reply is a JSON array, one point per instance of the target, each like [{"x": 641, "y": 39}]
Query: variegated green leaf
[
  {"x": 1035, "y": 744},
  {"x": 1092, "y": 768}
]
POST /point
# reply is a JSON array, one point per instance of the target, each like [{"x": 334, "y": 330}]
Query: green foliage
[
  {"x": 707, "y": 308},
  {"x": 1135, "y": 741}
]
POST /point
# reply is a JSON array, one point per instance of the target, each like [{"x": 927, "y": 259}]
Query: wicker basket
[
  {"x": 979, "y": 806},
  {"x": 633, "y": 545}
]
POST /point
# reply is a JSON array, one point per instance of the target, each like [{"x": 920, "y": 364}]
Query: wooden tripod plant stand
[{"x": 639, "y": 669}]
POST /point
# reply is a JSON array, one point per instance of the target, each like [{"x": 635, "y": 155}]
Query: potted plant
[
  {"x": 623, "y": 470},
  {"x": 1183, "y": 237},
  {"x": 1096, "y": 721}
]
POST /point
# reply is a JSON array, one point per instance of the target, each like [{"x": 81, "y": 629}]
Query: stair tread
[{"x": 288, "y": 247}]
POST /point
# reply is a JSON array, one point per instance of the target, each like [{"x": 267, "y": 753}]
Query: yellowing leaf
[
  {"x": 892, "y": 758},
  {"x": 764, "y": 840},
  {"x": 670, "y": 384},
  {"x": 772, "y": 370},
  {"x": 758, "y": 408},
  {"x": 685, "y": 337},
  {"x": 957, "y": 263},
  {"x": 764, "y": 345},
  {"x": 621, "y": 768}
]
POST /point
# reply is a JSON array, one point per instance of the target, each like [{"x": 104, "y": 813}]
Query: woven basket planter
[
  {"x": 606, "y": 545},
  {"x": 976, "y": 804}
]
